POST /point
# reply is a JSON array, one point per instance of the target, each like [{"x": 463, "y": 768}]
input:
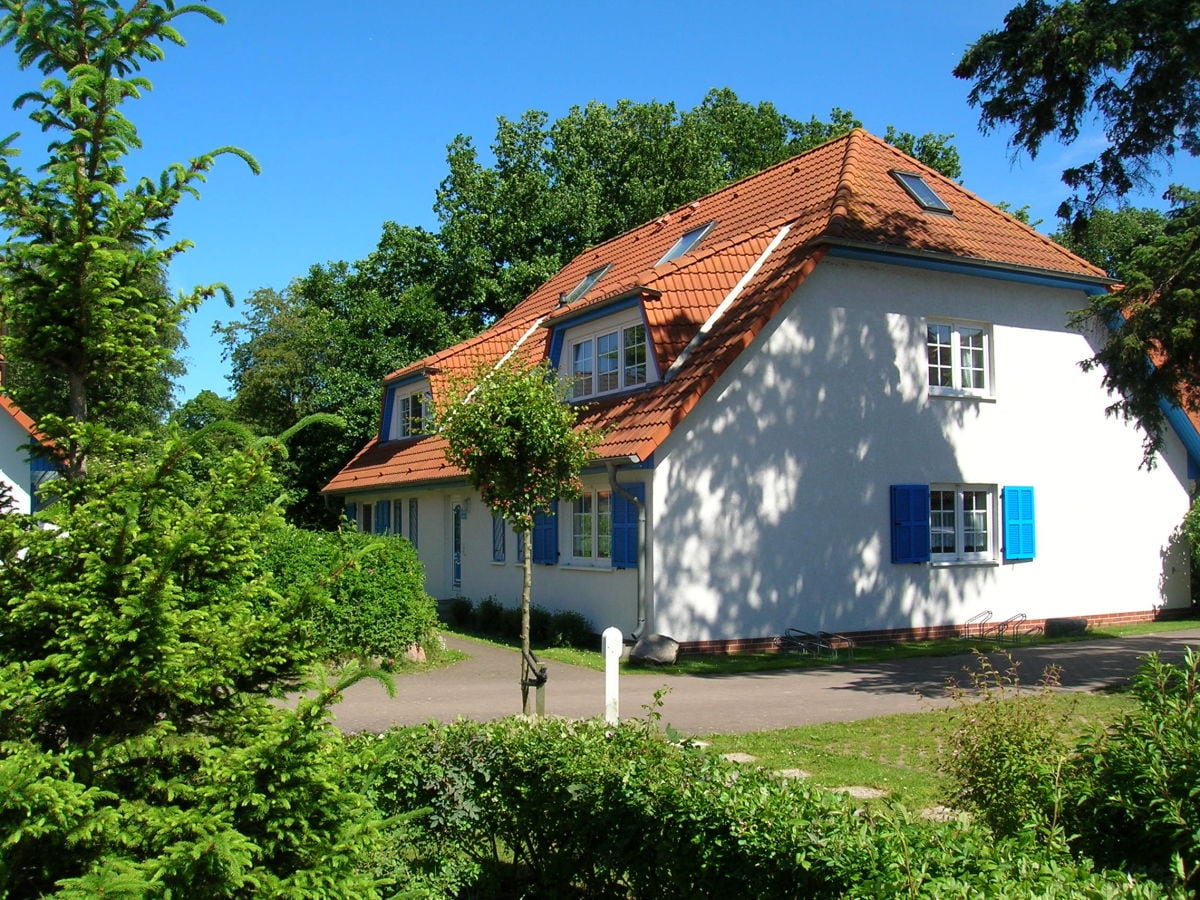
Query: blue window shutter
[
  {"x": 351, "y": 513},
  {"x": 383, "y": 516},
  {"x": 385, "y": 426},
  {"x": 625, "y": 527},
  {"x": 545, "y": 536},
  {"x": 1019, "y": 533},
  {"x": 910, "y": 523}
]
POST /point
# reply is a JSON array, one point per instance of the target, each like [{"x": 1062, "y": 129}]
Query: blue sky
[{"x": 349, "y": 106}]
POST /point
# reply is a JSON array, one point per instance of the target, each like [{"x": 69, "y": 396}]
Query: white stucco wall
[
  {"x": 771, "y": 503},
  {"x": 14, "y": 462},
  {"x": 604, "y": 595}
]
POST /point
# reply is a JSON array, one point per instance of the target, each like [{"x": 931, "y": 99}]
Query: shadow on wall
[{"x": 777, "y": 495}]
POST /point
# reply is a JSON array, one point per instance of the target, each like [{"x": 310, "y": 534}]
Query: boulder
[
  {"x": 655, "y": 649},
  {"x": 1056, "y": 628}
]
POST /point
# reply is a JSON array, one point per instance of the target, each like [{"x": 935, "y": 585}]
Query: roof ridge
[{"x": 843, "y": 194}]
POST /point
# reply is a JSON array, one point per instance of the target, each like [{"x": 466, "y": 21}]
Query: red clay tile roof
[{"x": 839, "y": 193}]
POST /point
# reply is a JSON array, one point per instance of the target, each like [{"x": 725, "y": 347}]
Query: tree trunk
[{"x": 526, "y": 593}]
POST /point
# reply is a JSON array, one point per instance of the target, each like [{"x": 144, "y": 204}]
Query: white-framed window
[
  {"x": 410, "y": 413},
  {"x": 591, "y": 528},
  {"x": 962, "y": 522},
  {"x": 412, "y": 520},
  {"x": 959, "y": 358},
  {"x": 609, "y": 358},
  {"x": 498, "y": 531}
]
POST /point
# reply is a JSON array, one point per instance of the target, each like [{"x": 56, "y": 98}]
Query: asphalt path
[{"x": 485, "y": 687}]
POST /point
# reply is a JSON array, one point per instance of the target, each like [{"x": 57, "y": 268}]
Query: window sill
[
  {"x": 961, "y": 395},
  {"x": 586, "y": 567},
  {"x": 963, "y": 563}
]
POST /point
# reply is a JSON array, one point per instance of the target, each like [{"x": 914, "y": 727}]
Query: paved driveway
[{"x": 485, "y": 687}]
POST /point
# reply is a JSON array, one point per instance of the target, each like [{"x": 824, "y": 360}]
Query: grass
[
  {"x": 897, "y": 754},
  {"x": 740, "y": 663}
]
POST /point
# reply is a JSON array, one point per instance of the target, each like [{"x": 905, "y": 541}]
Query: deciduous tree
[{"x": 512, "y": 431}]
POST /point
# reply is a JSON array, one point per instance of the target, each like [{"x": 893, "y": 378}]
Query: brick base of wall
[{"x": 934, "y": 633}]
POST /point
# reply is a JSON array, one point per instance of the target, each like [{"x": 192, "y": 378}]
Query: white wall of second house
[
  {"x": 14, "y": 462},
  {"x": 771, "y": 501},
  {"x": 605, "y": 596}
]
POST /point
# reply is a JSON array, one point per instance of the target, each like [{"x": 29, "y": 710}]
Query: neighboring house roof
[{"x": 702, "y": 308}]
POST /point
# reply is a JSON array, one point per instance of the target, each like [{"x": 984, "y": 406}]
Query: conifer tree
[{"x": 86, "y": 245}]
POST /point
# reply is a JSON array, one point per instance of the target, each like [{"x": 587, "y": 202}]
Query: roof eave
[{"x": 1099, "y": 283}]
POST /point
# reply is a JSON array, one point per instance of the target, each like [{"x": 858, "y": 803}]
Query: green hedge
[
  {"x": 549, "y": 807},
  {"x": 560, "y": 628},
  {"x": 374, "y": 604}
]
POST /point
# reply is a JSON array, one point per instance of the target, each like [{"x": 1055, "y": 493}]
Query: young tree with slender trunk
[
  {"x": 512, "y": 431},
  {"x": 83, "y": 241}
]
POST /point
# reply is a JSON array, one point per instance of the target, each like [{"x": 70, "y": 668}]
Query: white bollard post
[{"x": 611, "y": 644}]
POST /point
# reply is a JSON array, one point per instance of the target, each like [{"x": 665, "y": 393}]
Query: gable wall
[{"x": 771, "y": 503}]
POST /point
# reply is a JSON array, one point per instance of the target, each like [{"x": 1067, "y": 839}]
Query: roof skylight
[
  {"x": 918, "y": 188},
  {"x": 686, "y": 242},
  {"x": 589, "y": 282}
]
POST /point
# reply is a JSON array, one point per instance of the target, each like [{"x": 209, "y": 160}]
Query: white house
[
  {"x": 17, "y": 472},
  {"x": 838, "y": 395}
]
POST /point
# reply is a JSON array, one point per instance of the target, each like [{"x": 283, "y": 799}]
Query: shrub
[
  {"x": 1139, "y": 784},
  {"x": 557, "y": 808},
  {"x": 459, "y": 613},
  {"x": 366, "y": 592},
  {"x": 489, "y": 616},
  {"x": 1006, "y": 750},
  {"x": 561, "y": 628},
  {"x": 571, "y": 629},
  {"x": 142, "y": 750}
]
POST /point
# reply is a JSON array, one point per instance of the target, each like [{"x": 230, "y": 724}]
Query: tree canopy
[
  {"x": 1133, "y": 66},
  {"x": 87, "y": 320}
]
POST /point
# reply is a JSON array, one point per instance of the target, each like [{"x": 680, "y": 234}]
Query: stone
[
  {"x": 1056, "y": 628},
  {"x": 739, "y": 757},
  {"x": 655, "y": 649}
]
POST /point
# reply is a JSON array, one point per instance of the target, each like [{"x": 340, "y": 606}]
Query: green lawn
[
  {"x": 897, "y": 755},
  {"x": 763, "y": 662}
]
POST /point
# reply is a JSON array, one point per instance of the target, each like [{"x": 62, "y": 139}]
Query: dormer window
[
  {"x": 686, "y": 242},
  {"x": 918, "y": 188},
  {"x": 408, "y": 412},
  {"x": 589, "y": 282},
  {"x": 608, "y": 358}
]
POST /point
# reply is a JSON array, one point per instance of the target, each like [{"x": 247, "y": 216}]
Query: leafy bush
[
  {"x": 366, "y": 594},
  {"x": 1007, "y": 750},
  {"x": 550, "y": 807},
  {"x": 560, "y": 628},
  {"x": 142, "y": 752},
  {"x": 1138, "y": 786},
  {"x": 458, "y": 612}
]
